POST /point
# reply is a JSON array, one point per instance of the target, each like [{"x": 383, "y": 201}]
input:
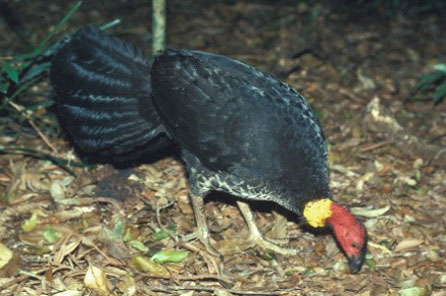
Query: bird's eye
[{"x": 354, "y": 245}]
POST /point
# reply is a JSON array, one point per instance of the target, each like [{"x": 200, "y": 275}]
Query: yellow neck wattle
[{"x": 317, "y": 211}]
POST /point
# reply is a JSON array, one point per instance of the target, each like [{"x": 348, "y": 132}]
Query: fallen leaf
[
  {"x": 222, "y": 292},
  {"x": 169, "y": 256},
  {"x": 50, "y": 234},
  {"x": 383, "y": 248},
  {"x": 407, "y": 244},
  {"x": 138, "y": 245},
  {"x": 95, "y": 279},
  {"x": 145, "y": 264},
  {"x": 370, "y": 213},
  {"x": 414, "y": 291},
  {"x": 5, "y": 255},
  {"x": 69, "y": 293},
  {"x": 57, "y": 191},
  {"x": 30, "y": 223},
  {"x": 66, "y": 248},
  {"x": 363, "y": 179}
]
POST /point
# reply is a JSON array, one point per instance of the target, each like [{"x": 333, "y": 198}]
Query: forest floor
[{"x": 61, "y": 229}]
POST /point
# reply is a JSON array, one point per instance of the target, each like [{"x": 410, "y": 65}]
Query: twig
[
  {"x": 170, "y": 289},
  {"x": 30, "y": 274},
  {"x": 188, "y": 278},
  {"x": 34, "y": 126},
  {"x": 158, "y": 218},
  {"x": 374, "y": 146}
]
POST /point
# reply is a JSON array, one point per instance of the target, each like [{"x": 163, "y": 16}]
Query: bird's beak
[{"x": 355, "y": 263}]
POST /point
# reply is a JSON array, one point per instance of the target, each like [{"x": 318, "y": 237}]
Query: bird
[{"x": 240, "y": 130}]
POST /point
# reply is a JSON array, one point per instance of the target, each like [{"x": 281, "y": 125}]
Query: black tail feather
[{"x": 103, "y": 96}]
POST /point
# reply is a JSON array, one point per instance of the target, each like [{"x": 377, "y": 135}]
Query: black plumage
[
  {"x": 240, "y": 130},
  {"x": 103, "y": 96}
]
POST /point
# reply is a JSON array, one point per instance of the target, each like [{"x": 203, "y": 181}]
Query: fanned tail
[{"x": 103, "y": 91}]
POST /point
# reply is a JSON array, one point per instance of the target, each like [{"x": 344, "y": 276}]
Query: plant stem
[{"x": 158, "y": 25}]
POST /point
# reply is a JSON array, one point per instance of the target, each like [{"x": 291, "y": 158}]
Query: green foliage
[
  {"x": 169, "y": 256},
  {"x": 30, "y": 223},
  {"x": 118, "y": 230},
  {"x": 51, "y": 235},
  {"x": 434, "y": 81},
  {"x": 22, "y": 71},
  {"x": 138, "y": 245}
]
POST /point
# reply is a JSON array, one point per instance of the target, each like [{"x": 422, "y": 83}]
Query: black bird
[{"x": 241, "y": 131}]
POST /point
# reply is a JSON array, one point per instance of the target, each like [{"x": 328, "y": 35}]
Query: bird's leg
[
  {"x": 202, "y": 233},
  {"x": 256, "y": 237}
]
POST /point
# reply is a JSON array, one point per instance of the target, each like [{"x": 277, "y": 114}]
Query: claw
[{"x": 257, "y": 238}]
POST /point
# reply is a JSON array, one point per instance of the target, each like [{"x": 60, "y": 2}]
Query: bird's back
[{"x": 240, "y": 121}]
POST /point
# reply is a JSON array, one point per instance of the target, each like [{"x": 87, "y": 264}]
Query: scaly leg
[
  {"x": 256, "y": 237},
  {"x": 202, "y": 232}
]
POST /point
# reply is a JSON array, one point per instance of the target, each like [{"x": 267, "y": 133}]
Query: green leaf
[
  {"x": 169, "y": 256},
  {"x": 110, "y": 24},
  {"x": 35, "y": 71},
  {"x": 440, "y": 67},
  {"x": 60, "y": 24},
  {"x": 440, "y": 93},
  {"x": 30, "y": 223},
  {"x": 138, "y": 246},
  {"x": 10, "y": 71},
  {"x": 17, "y": 92},
  {"x": 428, "y": 79},
  {"x": 118, "y": 231},
  {"x": 172, "y": 228},
  {"x": 50, "y": 235},
  {"x": 128, "y": 235},
  {"x": 43, "y": 44},
  {"x": 160, "y": 235}
]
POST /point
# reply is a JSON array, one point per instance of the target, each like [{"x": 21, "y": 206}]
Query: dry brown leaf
[
  {"x": 69, "y": 293},
  {"x": 95, "y": 279},
  {"x": 407, "y": 244},
  {"x": 67, "y": 247}
]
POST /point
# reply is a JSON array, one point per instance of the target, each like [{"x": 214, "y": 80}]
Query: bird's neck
[{"x": 316, "y": 212}]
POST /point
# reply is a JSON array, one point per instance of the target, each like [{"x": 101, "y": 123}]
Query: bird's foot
[
  {"x": 259, "y": 240},
  {"x": 204, "y": 237},
  {"x": 256, "y": 238}
]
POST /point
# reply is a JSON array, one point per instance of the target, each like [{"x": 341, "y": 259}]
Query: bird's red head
[
  {"x": 348, "y": 231},
  {"x": 350, "y": 234}
]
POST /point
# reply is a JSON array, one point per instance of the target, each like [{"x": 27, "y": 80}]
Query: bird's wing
[
  {"x": 233, "y": 117},
  {"x": 102, "y": 87}
]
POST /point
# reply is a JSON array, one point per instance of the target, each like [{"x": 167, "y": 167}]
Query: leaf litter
[{"x": 100, "y": 231}]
